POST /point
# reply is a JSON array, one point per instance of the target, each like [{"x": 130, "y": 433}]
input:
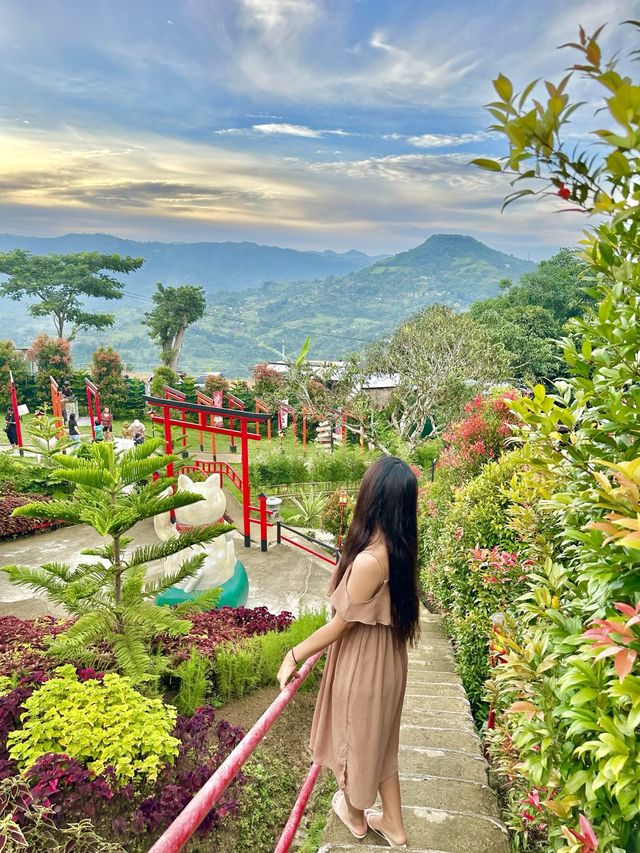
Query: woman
[
  {"x": 74, "y": 434},
  {"x": 10, "y": 427},
  {"x": 106, "y": 421},
  {"x": 137, "y": 430},
  {"x": 374, "y": 593}
]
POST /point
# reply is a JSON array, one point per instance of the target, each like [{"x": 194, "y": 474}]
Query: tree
[
  {"x": 527, "y": 318},
  {"x": 568, "y": 693},
  {"x": 107, "y": 371},
  {"x": 176, "y": 308},
  {"x": 442, "y": 359},
  {"x": 59, "y": 283},
  {"x": 110, "y": 598},
  {"x": 215, "y": 382},
  {"x": 52, "y": 358},
  {"x": 10, "y": 362},
  {"x": 162, "y": 376}
]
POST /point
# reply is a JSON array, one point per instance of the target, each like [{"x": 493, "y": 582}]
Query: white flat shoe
[
  {"x": 376, "y": 812},
  {"x": 336, "y": 802}
]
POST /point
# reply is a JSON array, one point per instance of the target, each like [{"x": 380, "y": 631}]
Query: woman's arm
[
  {"x": 363, "y": 583},
  {"x": 316, "y": 642}
]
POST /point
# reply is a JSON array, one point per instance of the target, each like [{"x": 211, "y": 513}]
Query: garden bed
[{"x": 124, "y": 761}]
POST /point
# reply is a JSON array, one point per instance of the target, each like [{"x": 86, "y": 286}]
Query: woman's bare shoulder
[{"x": 365, "y": 578}]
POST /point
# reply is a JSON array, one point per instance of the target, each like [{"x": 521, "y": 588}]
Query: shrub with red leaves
[
  {"x": 68, "y": 787},
  {"x": 211, "y": 629},
  {"x": 23, "y": 643},
  {"x": 205, "y": 744},
  {"x": 480, "y": 436},
  {"x": 10, "y": 526}
]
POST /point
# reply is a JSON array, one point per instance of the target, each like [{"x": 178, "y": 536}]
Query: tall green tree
[
  {"x": 529, "y": 317},
  {"x": 61, "y": 283},
  {"x": 176, "y": 308}
]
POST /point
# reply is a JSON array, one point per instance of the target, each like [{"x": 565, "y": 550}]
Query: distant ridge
[
  {"x": 215, "y": 266},
  {"x": 340, "y": 312}
]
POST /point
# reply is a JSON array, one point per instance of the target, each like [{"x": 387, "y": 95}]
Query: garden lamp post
[{"x": 342, "y": 503}]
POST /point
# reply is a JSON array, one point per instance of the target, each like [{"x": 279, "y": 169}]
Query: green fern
[{"x": 111, "y": 599}]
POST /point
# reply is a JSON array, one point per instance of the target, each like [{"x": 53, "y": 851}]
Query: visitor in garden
[
  {"x": 10, "y": 427},
  {"x": 74, "y": 435},
  {"x": 374, "y": 594},
  {"x": 138, "y": 431},
  {"x": 106, "y": 421}
]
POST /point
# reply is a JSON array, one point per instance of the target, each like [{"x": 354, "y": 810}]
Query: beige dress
[{"x": 356, "y": 725}]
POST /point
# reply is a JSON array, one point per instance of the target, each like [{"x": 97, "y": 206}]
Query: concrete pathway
[
  {"x": 447, "y": 804},
  {"x": 282, "y": 579}
]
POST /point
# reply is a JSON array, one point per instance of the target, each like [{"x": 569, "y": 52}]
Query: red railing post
[
  {"x": 288, "y": 833},
  {"x": 180, "y": 831},
  {"x": 263, "y": 521},
  {"x": 91, "y": 417}
]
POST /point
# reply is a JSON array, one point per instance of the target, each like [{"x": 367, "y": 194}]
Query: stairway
[{"x": 447, "y": 804}]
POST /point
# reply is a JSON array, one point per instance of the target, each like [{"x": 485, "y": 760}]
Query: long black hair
[{"x": 387, "y": 505}]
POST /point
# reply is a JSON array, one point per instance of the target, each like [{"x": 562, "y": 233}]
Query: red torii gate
[
  {"x": 213, "y": 402},
  {"x": 245, "y": 436},
  {"x": 234, "y": 402},
  {"x": 344, "y": 415},
  {"x": 93, "y": 404},
  {"x": 262, "y": 407},
  {"x": 170, "y": 393}
]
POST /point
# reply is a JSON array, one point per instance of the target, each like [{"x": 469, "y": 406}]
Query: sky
[{"x": 314, "y": 124}]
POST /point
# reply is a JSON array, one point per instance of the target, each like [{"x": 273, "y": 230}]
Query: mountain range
[
  {"x": 215, "y": 266},
  {"x": 341, "y": 311}
]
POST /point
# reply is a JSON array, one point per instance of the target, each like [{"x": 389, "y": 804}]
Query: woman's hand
[{"x": 287, "y": 670}]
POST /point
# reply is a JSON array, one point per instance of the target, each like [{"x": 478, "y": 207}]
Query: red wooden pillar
[
  {"x": 168, "y": 441},
  {"x": 263, "y": 521},
  {"x": 246, "y": 486}
]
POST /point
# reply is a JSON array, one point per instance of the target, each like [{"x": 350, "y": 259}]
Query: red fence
[{"x": 183, "y": 827}]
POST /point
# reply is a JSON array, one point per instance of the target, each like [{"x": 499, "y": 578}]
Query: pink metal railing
[{"x": 183, "y": 827}]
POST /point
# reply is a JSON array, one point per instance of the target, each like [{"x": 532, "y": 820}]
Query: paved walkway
[{"x": 448, "y": 806}]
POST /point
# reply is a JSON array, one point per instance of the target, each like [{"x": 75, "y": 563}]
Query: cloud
[
  {"x": 296, "y": 130},
  {"x": 444, "y": 140}
]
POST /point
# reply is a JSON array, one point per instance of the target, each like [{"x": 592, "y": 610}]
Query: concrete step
[
  {"x": 436, "y": 829},
  {"x": 417, "y": 760},
  {"x": 432, "y": 661},
  {"x": 415, "y": 701},
  {"x": 458, "y": 721},
  {"x": 422, "y": 675},
  {"x": 438, "y": 792},
  {"x": 459, "y": 739},
  {"x": 435, "y": 688}
]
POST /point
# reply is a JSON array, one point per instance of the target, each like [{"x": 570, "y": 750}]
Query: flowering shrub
[
  {"x": 107, "y": 371},
  {"x": 480, "y": 436},
  {"x": 53, "y": 358},
  {"x": 214, "y": 627},
  {"x": 11, "y": 709},
  {"x": 334, "y": 518}
]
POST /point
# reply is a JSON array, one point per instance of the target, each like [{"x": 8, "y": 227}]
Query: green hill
[{"x": 340, "y": 313}]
